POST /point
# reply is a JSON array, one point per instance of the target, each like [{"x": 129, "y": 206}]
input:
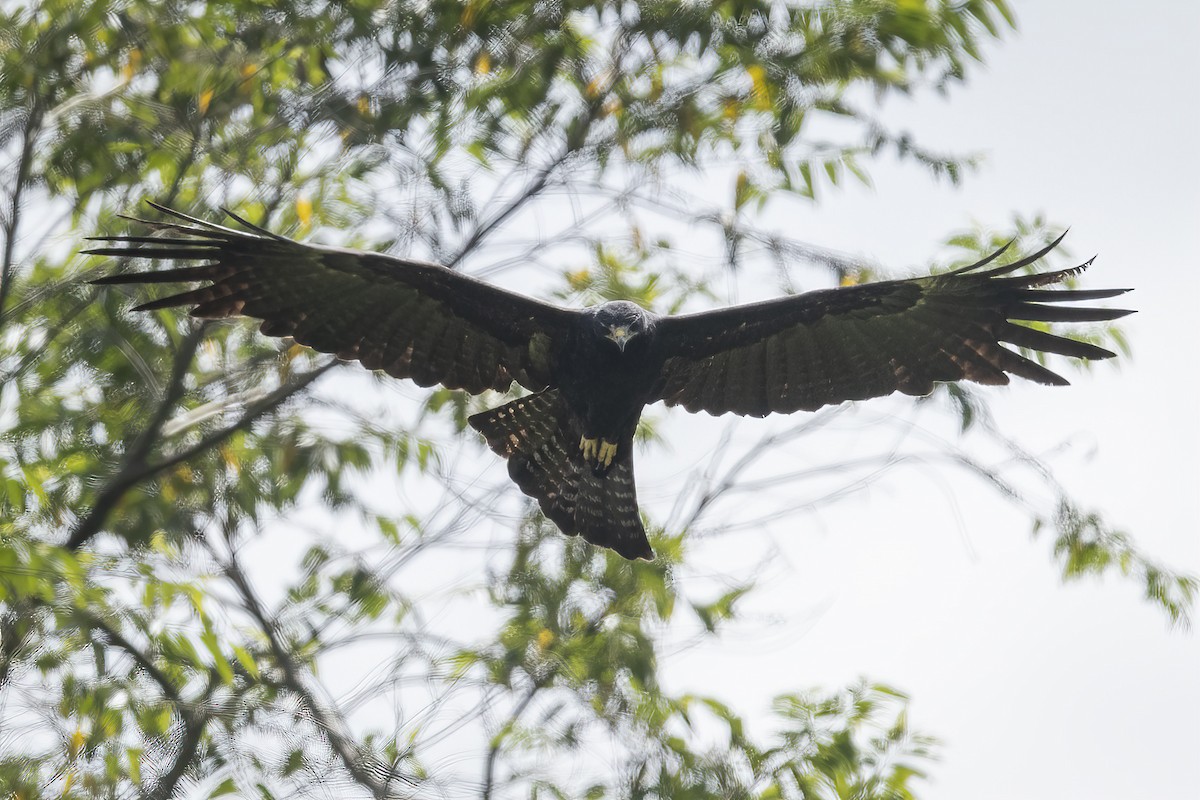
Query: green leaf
[{"x": 227, "y": 786}]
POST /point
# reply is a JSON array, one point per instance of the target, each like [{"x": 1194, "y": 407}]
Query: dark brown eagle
[{"x": 592, "y": 370}]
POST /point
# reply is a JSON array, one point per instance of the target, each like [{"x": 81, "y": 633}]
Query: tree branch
[
  {"x": 118, "y": 640},
  {"x": 108, "y": 497},
  {"x": 13, "y": 218},
  {"x": 528, "y": 193},
  {"x": 133, "y": 466},
  {"x": 135, "y": 470},
  {"x": 489, "y": 772},
  {"x": 327, "y": 720},
  {"x": 193, "y": 723},
  {"x": 254, "y": 411},
  {"x": 61, "y": 326},
  {"x": 192, "y": 717}
]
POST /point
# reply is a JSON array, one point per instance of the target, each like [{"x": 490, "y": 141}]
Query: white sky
[{"x": 1038, "y": 690}]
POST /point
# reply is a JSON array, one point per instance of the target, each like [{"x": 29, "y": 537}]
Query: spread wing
[
  {"x": 851, "y": 343},
  {"x": 409, "y": 318}
]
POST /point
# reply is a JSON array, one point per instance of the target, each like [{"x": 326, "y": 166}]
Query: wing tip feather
[{"x": 156, "y": 305}]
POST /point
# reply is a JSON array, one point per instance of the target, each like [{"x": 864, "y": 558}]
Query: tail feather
[{"x": 539, "y": 436}]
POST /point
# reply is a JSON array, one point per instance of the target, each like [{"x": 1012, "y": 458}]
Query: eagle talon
[
  {"x": 600, "y": 450},
  {"x": 608, "y": 450},
  {"x": 590, "y": 447}
]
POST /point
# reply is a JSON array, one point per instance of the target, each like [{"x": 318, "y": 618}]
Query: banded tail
[{"x": 539, "y": 436}]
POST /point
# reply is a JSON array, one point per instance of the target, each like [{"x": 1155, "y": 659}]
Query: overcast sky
[{"x": 1039, "y": 690}]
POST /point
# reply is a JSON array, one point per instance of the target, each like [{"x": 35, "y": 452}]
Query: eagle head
[{"x": 620, "y": 321}]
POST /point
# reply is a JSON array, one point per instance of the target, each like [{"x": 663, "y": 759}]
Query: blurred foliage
[{"x": 142, "y": 652}]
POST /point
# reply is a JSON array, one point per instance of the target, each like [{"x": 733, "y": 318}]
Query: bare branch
[
  {"x": 489, "y": 771},
  {"x": 531, "y": 190},
  {"x": 328, "y": 720},
  {"x": 254, "y": 411}
]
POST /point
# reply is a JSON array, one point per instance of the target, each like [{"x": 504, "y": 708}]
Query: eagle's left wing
[
  {"x": 409, "y": 318},
  {"x": 851, "y": 343}
]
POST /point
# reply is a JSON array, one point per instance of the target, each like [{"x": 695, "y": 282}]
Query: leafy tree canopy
[{"x": 199, "y": 568}]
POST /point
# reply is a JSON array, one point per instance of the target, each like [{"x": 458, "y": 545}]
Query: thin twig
[
  {"x": 327, "y": 720},
  {"x": 531, "y": 190},
  {"x": 489, "y": 772},
  {"x": 254, "y": 411}
]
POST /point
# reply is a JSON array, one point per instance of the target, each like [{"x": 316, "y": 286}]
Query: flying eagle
[{"x": 569, "y": 443}]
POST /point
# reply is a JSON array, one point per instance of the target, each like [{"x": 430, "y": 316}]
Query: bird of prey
[{"x": 590, "y": 372}]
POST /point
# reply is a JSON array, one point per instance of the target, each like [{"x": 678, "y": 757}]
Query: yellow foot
[
  {"x": 589, "y": 447},
  {"x": 607, "y": 451},
  {"x": 602, "y": 450}
]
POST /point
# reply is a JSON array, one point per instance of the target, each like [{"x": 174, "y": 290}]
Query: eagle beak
[{"x": 621, "y": 336}]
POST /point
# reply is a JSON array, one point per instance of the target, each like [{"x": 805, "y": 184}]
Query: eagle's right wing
[
  {"x": 851, "y": 343},
  {"x": 410, "y": 319}
]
